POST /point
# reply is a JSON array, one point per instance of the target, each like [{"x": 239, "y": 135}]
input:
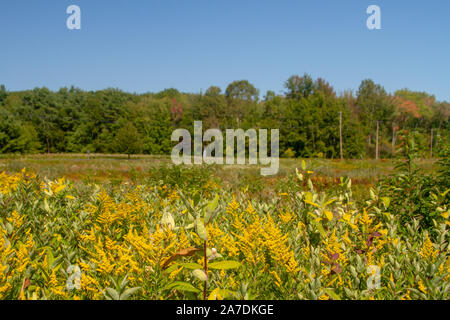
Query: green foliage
[
  {"x": 373, "y": 104},
  {"x": 241, "y": 90},
  {"x": 190, "y": 179},
  {"x": 413, "y": 194},
  {"x": 128, "y": 140},
  {"x": 289, "y": 153},
  {"x": 299, "y": 87},
  {"x": 444, "y": 168},
  {"x": 72, "y": 120}
]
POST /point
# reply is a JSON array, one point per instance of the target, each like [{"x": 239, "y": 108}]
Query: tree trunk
[
  {"x": 377, "y": 153},
  {"x": 393, "y": 138},
  {"x": 431, "y": 144},
  {"x": 340, "y": 136}
]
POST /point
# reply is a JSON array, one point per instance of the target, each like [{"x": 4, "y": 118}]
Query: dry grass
[{"x": 101, "y": 168}]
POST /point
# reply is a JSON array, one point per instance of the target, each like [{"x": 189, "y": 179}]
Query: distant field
[
  {"x": 77, "y": 166},
  {"x": 104, "y": 168}
]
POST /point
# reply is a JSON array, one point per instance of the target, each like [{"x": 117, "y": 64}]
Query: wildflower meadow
[{"x": 65, "y": 240}]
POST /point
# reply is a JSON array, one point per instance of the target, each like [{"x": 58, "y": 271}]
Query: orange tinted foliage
[{"x": 407, "y": 106}]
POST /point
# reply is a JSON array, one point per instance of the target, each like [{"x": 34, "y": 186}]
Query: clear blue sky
[{"x": 144, "y": 45}]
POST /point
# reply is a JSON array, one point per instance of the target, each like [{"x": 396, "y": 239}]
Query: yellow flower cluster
[
  {"x": 257, "y": 236},
  {"x": 428, "y": 251},
  {"x": 14, "y": 260},
  {"x": 9, "y": 182}
]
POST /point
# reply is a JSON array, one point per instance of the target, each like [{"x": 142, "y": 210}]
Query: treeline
[{"x": 307, "y": 115}]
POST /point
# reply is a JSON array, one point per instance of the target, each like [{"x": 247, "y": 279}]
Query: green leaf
[
  {"x": 211, "y": 207},
  {"x": 386, "y": 201},
  {"x": 9, "y": 228},
  {"x": 112, "y": 293},
  {"x": 182, "y": 286},
  {"x": 50, "y": 257},
  {"x": 387, "y": 215},
  {"x": 332, "y": 294},
  {"x": 200, "y": 228},
  {"x": 310, "y": 184},
  {"x": 329, "y": 202},
  {"x": 189, "y": 226},
  {"x": 191, "y": 265},
  {"x": 220, "y": 293},
  {"x": 129, "y": 292},
  {"x": 124, "y": 283},
  {"x": 46, "y": 206},
  {"x": 320, "y": 228},
  {"x": 222, "y": 265},
  {"x": 200, "y": 274},
  {"x": 187, "y": 203},
  {"x": 299, "y": 175},
  {"x": 172, "y": 268},
  {"x": 372, "y": 194},
  {"x": 56, "y": 264},
  {"x": 167, "y": 220},
  {"x": 213, "y": 204}
]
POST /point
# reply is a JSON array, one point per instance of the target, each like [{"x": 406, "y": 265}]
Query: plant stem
[{"x": 205, "y": 266}]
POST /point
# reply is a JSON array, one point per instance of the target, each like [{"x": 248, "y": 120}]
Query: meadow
[
  {"x": 105, "y": 227},
  {"x": 117, "y": 169}
]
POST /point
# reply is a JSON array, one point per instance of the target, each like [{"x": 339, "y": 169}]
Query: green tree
[
  {"x": 128, "y": 140},
  {"x": 240, "y": 95},
  {"x": 242, "y": 90},
  {"x": 299, "y": 87},
  {"x": 374, "y": 104},
  {"x": 211, "y": 108},
  {"x": 3, "y": 93}
]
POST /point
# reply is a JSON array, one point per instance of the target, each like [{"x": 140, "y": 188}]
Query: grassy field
[{"x": 101, "y": 168}]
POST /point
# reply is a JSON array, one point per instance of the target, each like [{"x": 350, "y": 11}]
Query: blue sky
[{"x": 146, "y": 46}]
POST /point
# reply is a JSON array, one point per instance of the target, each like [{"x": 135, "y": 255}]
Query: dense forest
[{"x": 307, "y": 115}]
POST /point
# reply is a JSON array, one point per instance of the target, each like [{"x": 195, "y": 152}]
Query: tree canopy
[{"x": 307, "y": 114}]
